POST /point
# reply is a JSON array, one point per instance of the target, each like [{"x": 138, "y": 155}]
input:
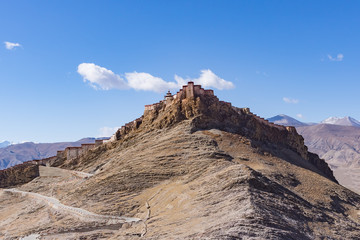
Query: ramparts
[
  {"x": 128, "y": 127},
  {"x": 74, "y": 152},
  {"x": 26, "y": 171}
]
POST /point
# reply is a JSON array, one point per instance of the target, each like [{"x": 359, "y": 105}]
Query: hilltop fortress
[
  {"x": 207, "y": 111},
  {"x": 189, "y": 91},
  {"x": 191, "y": 161}
]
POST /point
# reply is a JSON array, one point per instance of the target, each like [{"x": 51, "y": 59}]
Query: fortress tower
[
  {"x": 168, "y": 98},
  {"x": 187, "y": 91}
]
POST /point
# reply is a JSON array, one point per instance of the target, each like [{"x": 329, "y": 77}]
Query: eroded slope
[{"x": 198, "y": 168}]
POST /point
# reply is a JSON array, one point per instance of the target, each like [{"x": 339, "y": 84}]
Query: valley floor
[{"x": 348, "y": 177}]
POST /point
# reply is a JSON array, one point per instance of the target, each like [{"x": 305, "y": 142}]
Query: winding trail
[
  {"x": 71, "y": 177},
  {"x": 56, "y": 204}
]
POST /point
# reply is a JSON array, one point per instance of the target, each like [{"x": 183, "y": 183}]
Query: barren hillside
[{"x": 189, "y": 168}]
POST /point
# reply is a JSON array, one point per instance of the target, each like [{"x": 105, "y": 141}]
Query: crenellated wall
[
  {"x": 128, "y": 127},
  {"x": 72, "y": 152}
]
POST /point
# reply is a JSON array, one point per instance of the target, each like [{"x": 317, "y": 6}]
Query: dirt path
[
  {"x": 59, "y": 172},
  {"x": 82, "y": 213},
  {"x": 85, "y": 222},
  {"x": 57, "y": 205}
]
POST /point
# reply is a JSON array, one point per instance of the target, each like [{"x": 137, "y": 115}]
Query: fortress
[
  {"x": 189, "y": 91},
  {"x": 74, "y": 152},
  {"x": 186, "y": 92}
]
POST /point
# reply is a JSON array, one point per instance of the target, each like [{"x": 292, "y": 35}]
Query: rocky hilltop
[
  {"x": 206, "y": 112},
  {"x": 192, "y": 167},
  {"x": 19, "y": 174}
]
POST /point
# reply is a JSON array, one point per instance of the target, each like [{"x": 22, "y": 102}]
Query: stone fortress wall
[
  {"x": 188, "y": 91},
  {"x": 191, "y": 90},
  {"x": 68, "y": 153},
  {"x": 74, "y": 152}
]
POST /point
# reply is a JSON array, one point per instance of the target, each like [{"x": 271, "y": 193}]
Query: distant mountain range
[
  {"x": 338, "y": 145},
  {"x": 4, "y": 144},
  {"x": 13, "y": 154},
  {"x": 337, "y": 140},
  {"x": 345, "y": 121},
  {"x": 285, "y": 120}
]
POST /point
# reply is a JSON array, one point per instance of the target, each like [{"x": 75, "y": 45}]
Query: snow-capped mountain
[
  {"x": 4, "y": 144},
  {"x": 345, "y": 121},
  {"x": 335, "y": 139},
  {"x": 285, "y": 120}
]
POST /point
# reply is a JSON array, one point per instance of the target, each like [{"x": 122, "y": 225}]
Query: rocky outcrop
[
  {"x": 191, "y": 168},
  {"x": 207, "y": 112},
  {"x": 321, "y": 165},
  {"x": 19, "y": 174}
]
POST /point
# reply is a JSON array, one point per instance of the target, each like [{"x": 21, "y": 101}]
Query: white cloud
[
  {"x": 107, "y": 131},
  {"x": 299, "y": 115},
  {"x": 290, "y": 100},
  {"x": 100, "y": 77},
  {"x": 338, "y": 57},
  {"x": 10, "y": 45},
  {"x": 147, "y": 82},
  {"x": 207, "y": 79}
]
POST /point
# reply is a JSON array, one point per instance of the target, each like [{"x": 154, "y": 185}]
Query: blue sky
[{"x": 299, "y": 58}]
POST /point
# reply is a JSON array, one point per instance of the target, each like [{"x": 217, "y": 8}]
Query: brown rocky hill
[
  {"x": 192, "y": 167},
  {"x": 19, "y": 174}
]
